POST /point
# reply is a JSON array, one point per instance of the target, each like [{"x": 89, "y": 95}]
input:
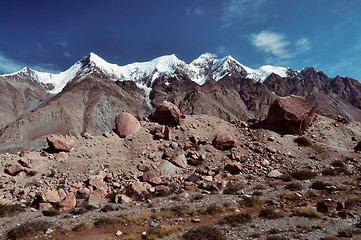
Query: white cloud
[
  {"x": 63, "y": 43},
  {"x": 221, "y": 50},
  {"x": 303, "y": 45},
  {"x": 198, "y": 11},
  {"x": 274, "y": 44},
  {"x": 67, "y": 54},
  {"x": 237, "y": 10},
  {"x": 8, "y": 65}
]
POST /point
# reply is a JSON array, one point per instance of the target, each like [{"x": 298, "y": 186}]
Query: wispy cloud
[
  {"x": 238, "y": 10},
  {"x": 67, "y": 54},
  {"x": 8, "y": 65},
  {"x": 221, "y": 50},
  {"x": 198, "y": 11},
  {"x": 63, "y": 43},
  {"x": 277, "y": 48}
]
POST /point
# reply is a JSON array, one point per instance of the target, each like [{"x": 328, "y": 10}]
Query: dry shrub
[
  {"x": 28, "y": 229},
  {"x": 10, "y": 210},
  {"x": 294, "y": 186},
  {"x": 251, "y": 202},
  {"x": 318, "y": 185},
  {"x": 303, "y": 142},
  {"x": 82, "y": 226},
  {"x": 232, "y": 188},
  {"x": 204, "y": 233},
  {"x": 106, "y": 221},
  {"x": 236, "y": 219},
  {"x": 303, "y": 174},
  {"x": 270, "y": 213}
]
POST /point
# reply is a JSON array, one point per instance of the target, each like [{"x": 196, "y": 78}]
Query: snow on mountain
[{"x": 144, "y": 73}]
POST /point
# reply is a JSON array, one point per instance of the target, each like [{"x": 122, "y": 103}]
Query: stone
[
  {"x": 167, "y": 114},
  {"x": 24, "y": 153},
  {"x": 168, "y": 133},
  {"x": 272, "y": 149},
  {"x": 234, "y": 168},
  {"x": 137, "y": 188},
  {"x": 98, "y": 184},
  {"x": 168, "y": 168},
  {"x": 123, "y": 199},
  {"x": 167, "y": 155},
  {"x": 13, "y": 170},
  {"x": 179, "y": 161},
  {"x": 119, "y": 233},
  {"x": 61, "y": 156},
  {"x": 292, "y": 113},
  {"x": 59, "y": 143},
  {"x": 358, "y": 147},
  {"x": 96, "y": 198},
  {"x": 274, "y": 174},
  {"x": 44, "y": 206},
  {"x": 69, "y": 202},
  {"x": 25, "y": 162},
  {"x": 224, "y": 141},
  {"x": 152, "y": 178},
  {"x": 126, "y": 124},
  {"x": 51, "y": 196}
]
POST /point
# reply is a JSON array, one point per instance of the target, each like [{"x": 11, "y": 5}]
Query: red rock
[
  {"x": 152, "y": 178},
  {"x": 271, "y": 149},
  {"x": 137, "y": 188},
  {"x": 292, "y": 113},
  {"x": 61, "y": 156},
  {"x": 179, "y": 161},
  {"x": 168, "y": 133},
  {"x": 99, "y": 184},
  {"x": 142, "y": 168},
  {"x": 187, "y": 146},
  {"x": 58, "y": 143},
  {"x": 62, "y": 194},
  {"x": 96, "y": 198},
  {"x": 126, "y": 124},
  {"x": 24, "y": 153},
  {"x": 234, "y": 168},
  {"x": 25, "y": 162},
  {"x": 51, "y": 196},
  {"x": 13, "y": 170},
  {"x": 44, "y": 206},
  {"x": 167, "y": 114},
  {"x": 69, "y": 202},
  {"x": 123, "y": 199},
  {"x": 139, "y": 117},
  {"x": 167, "y": 155},
  {"x": 224, "y": 141}
]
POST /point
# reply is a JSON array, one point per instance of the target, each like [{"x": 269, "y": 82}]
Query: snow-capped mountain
[{"x": 144, "y": 73}]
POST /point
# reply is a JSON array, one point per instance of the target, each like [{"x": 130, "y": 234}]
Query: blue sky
[{"x": 52, "y": 35}]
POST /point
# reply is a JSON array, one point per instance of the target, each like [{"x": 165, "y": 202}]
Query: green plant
[
  {"x": 204, "y": 233},
  {"x": 302, "y": 141},
  {"x": 82, "y": 226},
  {"x": 236, "y": 219},
  {"x": 28, "y": 229},
  {"x": 303, "y": 174}
]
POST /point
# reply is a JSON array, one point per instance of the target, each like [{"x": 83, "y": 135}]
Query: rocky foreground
[{"x": 188, "y": 177}]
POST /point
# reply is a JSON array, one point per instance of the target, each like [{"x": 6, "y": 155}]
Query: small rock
[
  {"x": 96, "y": 198},
  {"x": 137, "y": 188},
  {"x": 119, "y": 233},
  {"x": 151, "y": 177},
  {"x": 123, "y": 199},
  {"x": 58, "y": 143},
  {"x": 234, "y": 168},
  {"x": 51, "y": 196},
  {"x": 224, "y": 141},
  {"x": 179, "y": 161},
  {"x": 274, "y": 174},
  {"x": 13, "y": 170},
  {"x": 196, "y": 220}
]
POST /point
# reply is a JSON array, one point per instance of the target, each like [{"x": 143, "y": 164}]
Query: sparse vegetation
[
  {"x": 161, "y": 232},
  {"x": 302, "y": 141},
  {"x": 51, "y": 212},
  {"x": 303, "y": 174},
  {"x": 318, "y": 185},
  {"x": 290, "y": 196},
  {"x": 236, "y": 219},
  {"x": 232, "y": 188},
  {"x": 204, "y": 233},
  {"x": 294, "y": 186},
  {"x": 329, "y": 172},
  {"x": 82, "y": 226},
  {"x": 28, "y": 229},
  {"x": 306, "y": 212},
  {"x": 270, "y": 213},
  {"x": 106, "y": 221},
  {"x": 251, "y": 202},
  {"x": 10, "y": 210}
]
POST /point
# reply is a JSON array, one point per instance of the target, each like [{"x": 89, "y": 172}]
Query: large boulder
[
  {"x": 126, "y": 124},
  {"x": 292, "y": 113},
  {"x": 59, "y": 143},
  {"x": 224, "y": 141},
  {"x": 69, "y": 202},
  {"x": 167, "y": 114}
]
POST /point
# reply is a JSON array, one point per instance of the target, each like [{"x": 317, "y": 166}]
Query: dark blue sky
[{"x": 52, "y": 35}]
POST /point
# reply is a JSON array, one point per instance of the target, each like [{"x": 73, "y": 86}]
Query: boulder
[
  {"x": 69, "y": 202},
  {"x": 126, "y": 124},
  {"x": 224, "y": 141},
  {"x": 234, "y": 168},
  {"x": 96, "y": 198},
  {"x": 123, "y": 199},
  {"x": 51, "y": 196},
  {"x": 152, "y": 178},
  {"x": 13, "y": 170},
  {"x": 179, "y": 161},
  {"x": 59, "y": 143},
  {"x": 44, "y": 206},
  {"x": 292, "y": 114},
  {"x": 167, "y": 114},
  {"x": 137, "y": 188},
  {"x": 99, "y": 184},
  {"x": 274, "y": 174}
]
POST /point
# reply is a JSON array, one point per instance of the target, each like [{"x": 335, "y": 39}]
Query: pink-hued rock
[
  {"x": 137, "y": 188},
  {"x": 126, "y": 124},
  {"x": 44, "y": 206},
  {"x": 292, "y": 113},
  {"x": 13, "y": 170},
  {"x": 151, "y": 177},
  {"x": 123, "y": 199},
  {"x": 61, "y": 156},
  {"x": 234, "y": 167},
  {"x": 25, "y": 162},
  {"x": 179, "y": 161},
  {"x": 96, "y": 198},
  {"x": 58, "y": 143},
  {"x": 167, "y": 114},
  {"x": 51, "y": 196},
  {"x": 99, "y": 184},
  {"x": 224, "y": 141},
  {"x": 69, "y": 202}
]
